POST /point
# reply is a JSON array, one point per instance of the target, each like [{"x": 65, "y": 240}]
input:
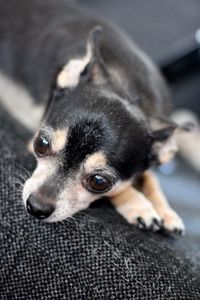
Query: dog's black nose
[{"x": 39, "y": 209}]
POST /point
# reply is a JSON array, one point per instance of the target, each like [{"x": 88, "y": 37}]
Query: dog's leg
[
  {"x": 152, "y": 190},
  {"x": 136, "y": 209}
]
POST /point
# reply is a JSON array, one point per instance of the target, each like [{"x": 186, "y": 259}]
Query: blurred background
[{"x": 169, "y": 31}]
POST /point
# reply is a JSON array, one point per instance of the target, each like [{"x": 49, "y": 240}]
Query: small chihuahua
[{"x": 104, "y": 113}]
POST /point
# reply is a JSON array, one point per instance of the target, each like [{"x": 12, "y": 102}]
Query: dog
[{"x": 103, "y": 105}]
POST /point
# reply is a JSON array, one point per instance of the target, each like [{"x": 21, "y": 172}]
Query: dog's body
[
  {"x": 102, "y": 100},
  {"x": 42, "y": 36}
]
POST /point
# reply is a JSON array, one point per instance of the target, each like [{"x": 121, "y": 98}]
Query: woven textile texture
[{"x": 95, "y": 255}]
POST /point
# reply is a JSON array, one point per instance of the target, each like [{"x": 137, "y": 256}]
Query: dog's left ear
[
  {"x": 164, "y": 144},
  {"x": 89, "y": 67}
]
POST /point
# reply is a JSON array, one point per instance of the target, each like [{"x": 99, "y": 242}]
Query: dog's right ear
[{"x": 90, "y": 67}]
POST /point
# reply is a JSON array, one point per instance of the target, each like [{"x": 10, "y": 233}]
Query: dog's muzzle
[{"x": 38, "y": 208}]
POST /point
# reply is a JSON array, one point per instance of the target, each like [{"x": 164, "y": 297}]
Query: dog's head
[{"x": 91, "y": 143}]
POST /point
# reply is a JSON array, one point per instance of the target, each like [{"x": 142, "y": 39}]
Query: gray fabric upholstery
[{"x": 95, "y": 255}]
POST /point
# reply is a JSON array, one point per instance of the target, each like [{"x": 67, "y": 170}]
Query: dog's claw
[
  {"x": 154, "y": 226},
  {"x": 158, "y": 223},
  {"x": 141, "y": 222},
  {"x": 178, "y": 231},
  {"x": 175, "y": 232}
]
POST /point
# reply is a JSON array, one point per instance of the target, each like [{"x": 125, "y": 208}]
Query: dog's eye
[
  {"x": 98, "y": 184},
  {"x": 41, "y": 145}
]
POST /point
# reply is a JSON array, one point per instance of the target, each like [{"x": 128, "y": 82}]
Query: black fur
[
  {"x": 37, "y": 38},
  {"x": 99, "y": 123}
]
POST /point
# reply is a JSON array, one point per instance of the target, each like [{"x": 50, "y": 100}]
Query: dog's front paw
[
  {"x": 172, "y": 223},
  {"x": 141, "y": 213},
  {"x": 147, "y": 220}
]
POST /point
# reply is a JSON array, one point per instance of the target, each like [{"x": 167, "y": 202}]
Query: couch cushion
[{"x": 94, "y": 255}]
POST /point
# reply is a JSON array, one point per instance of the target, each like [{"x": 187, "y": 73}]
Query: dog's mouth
[{"x": 51, "y": 207}]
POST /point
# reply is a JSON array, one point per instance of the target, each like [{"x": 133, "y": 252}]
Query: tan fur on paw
[
  {"x": 139, "y": 211},
  {"x": 172, "y": 223}
]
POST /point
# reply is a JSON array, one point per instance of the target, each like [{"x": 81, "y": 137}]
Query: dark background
[
  {"x": 166, "y": 31},
  {"x": 157, "y": 26}
]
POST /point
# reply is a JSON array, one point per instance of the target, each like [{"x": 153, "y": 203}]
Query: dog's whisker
[
  {"x": 23, "y": 177},
  {"x": 86, "y": 215},
  {"x": 24, "y": 169},
  {"x": 18, "y": 182},
  {"x": 73, "y": 219}
]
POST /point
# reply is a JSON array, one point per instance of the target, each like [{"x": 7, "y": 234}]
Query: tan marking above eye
[
  {"x": 59, "y": 139},
  {"x": 95, "y": 161}
]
